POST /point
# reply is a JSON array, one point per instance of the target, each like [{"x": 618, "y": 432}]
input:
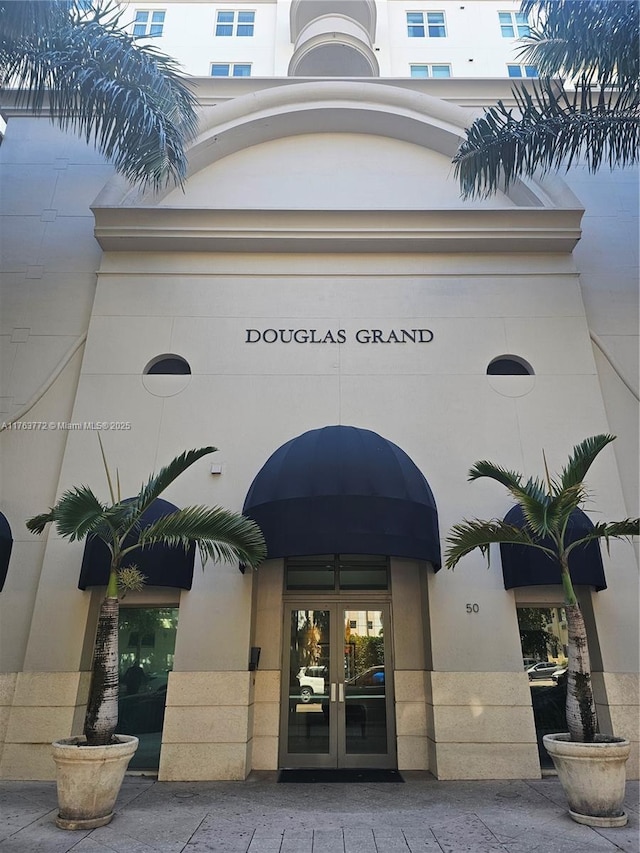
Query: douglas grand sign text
[{"x": 338, "y": 336}]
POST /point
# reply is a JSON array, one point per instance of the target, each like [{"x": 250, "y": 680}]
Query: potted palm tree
[
  {"x": 590, "y": 765},
  {"x": 90, "y": 769}
]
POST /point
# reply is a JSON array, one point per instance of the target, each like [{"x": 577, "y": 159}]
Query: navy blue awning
[
  {"x": 344, "y": 490},
  {"x": 162, "y": 566},
  {"x": 526, "y": 566},
  {"x": 6, "y": 543}
]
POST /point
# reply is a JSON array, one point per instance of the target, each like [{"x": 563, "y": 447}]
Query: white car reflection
[{"x": 312, "y": 681}]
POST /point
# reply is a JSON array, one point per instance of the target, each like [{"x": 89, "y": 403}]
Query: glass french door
[{"x": 337, "y": 703}]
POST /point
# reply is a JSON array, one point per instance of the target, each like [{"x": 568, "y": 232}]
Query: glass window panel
[
  {"x": 245, "y": 29},
  {"x": 441, "y": 71},
  {"x": 506, "y": 25},
  {"x": 544, "y": 641},
  {"x": 523, "y": 25},
  {"x": 146, "y": 639},
  {"x": 436, "y": 25},
  {"x": 246, "y": 17},
  {"x": 514, "y": 70},
  {"x": 155, "y": 30},
  {"x": 225, "y": 17},
  {"x": 224, "y": 30},
  {"x": 365, "y": 689},
  {"x": 242, "y": 71},
  {"x": 311, "y": 572},
  {"x": 158, "y": 17},
  {"x": 308, "y": 704},
  {"x": 311, "y": 579},
  {"x": 363, "y": 572},
  {"x": 220, "y": 70},
  {"x": 415, "y": 25},
  {"x": 419, "y": 70},
  {"x": 530, "y": 71}
]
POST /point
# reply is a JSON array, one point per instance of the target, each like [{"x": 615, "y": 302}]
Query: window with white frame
[
  {"x": 522, "y": 71},
  {"x": 423, "y": 24},
  {"x": 231, "y": 69},
  {"x": 513, "y": 25},
  {"x": 422, "y": 70},
  {"x": 148, "y": 23},
  {"x": 235, "y": 23}
]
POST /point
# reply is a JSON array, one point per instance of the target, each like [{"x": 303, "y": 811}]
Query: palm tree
[
  {"x": 547, "y": 508},
  {"x": 593, "y": 43},
  {"x": 94, "y": 78},
  {"x": 219, "y": 534}
]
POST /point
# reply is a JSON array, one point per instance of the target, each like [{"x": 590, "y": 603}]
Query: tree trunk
[
  {"x": 581, "y": 711},
  {"x": 102, "y": 708}
]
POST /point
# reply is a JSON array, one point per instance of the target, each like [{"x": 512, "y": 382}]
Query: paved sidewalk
[{"x": 261, "y": 816}]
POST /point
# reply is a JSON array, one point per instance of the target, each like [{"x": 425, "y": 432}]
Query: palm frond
[
  {"x": 548, "y": 129},
  {"x": 128, "y": 100},
  {"x": 560, "y": 508},
  {"x": 220, "y": 534},
  {"x": 157, "y": 483},
  {"x": 531, "y": 495},
  {"x": 469, "y": 535},
  {"x": 595, "y": 39},
  {"x": 38, "y": 523},
  {"x": 484, "y": 468},
  {"x": 75, "y": 515},
  {"x": 29, "y": 16},
  {"x": 581, "y": 459},
  {"x": 607, "y": 530}
]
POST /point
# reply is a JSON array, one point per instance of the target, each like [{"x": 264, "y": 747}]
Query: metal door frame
[{"x": 337, "y": 756}]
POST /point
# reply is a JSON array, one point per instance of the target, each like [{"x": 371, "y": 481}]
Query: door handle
[
  {"x": 333, "y": 692},
  {"x": 341, "y": 692}
]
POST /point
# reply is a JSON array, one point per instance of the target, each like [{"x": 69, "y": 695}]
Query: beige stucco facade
[{"x": 326, "y": 205}]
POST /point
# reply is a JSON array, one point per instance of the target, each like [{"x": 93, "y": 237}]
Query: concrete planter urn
[
  {"x": 89, "y": 779},
  {"x": 592, "y": 776}
]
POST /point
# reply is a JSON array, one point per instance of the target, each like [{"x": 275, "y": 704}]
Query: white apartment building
[
  {"x": 321, "y": 305},
  {"x": 331, "y": 38}
]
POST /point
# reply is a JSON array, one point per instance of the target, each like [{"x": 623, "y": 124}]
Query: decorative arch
[
  {"x": 304, "y": 11},
  {"x": 334, "y": 55},
  {"x": 338, "y": 106}
]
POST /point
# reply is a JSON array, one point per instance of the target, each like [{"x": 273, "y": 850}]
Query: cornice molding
[{"x": 162, "y": 229}]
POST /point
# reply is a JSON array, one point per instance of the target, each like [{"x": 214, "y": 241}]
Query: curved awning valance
[
  {"x": 6, "y": 544},
  {"x": 344, "y": 490},
  {"x": 525, "y": 566},
  {"x": 162, "y": 566}
]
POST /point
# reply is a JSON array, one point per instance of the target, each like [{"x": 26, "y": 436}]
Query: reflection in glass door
[
  {"x": 365, "y": 693},
  {"x": 308, "y": 706},
  {"x": 146, "y": 640},
  {"x": 337, "y": 705}
]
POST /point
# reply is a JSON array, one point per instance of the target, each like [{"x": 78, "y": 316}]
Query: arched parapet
[
  {"x": 334, "y": 54},
  {"x": 328, "y": 106},
  {"x": 304, "y": 11}
]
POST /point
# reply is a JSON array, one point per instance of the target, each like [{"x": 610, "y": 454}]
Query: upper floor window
[
  {"x": 421, "y": 24},
  {"x": 522, "y": 71},
  {"x": 430, "y": 70},
  {"x": 235, "y": 23},
  {"x": 513, "y": 25},
  {"x": 230, "y": 69},
  {"x": 148, "y": 23}
]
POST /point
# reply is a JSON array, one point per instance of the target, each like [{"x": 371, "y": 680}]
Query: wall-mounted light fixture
[{"x": 254, "y": 658}]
